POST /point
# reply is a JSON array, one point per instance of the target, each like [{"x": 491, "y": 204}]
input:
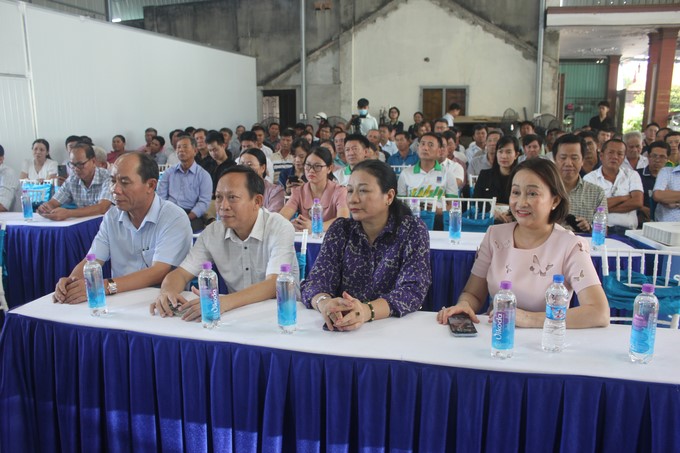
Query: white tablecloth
[
  {"x": 17, "y": 218},
  {"x": 416, "y": 338}
]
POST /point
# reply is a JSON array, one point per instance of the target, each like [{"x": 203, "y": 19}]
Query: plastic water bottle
[
  {"x": 94, "y": 285},
  {"x": 643, "y": 330},
  {"x": 27, "y": 206},
  {"x": 286, "y": 302},
  {"x": 503, "y": 322},
  {"x": 555, "y": 324},
  {"x": 209, "y": 296},
  {"x": 414, "y": 204},
  {"x": 317, "y": 219},
  {"x": 455, "y": 222},
  {"x": 599, "y": 228}
]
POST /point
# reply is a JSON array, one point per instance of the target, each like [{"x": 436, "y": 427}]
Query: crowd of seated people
[{"x": 253, "y": 189}]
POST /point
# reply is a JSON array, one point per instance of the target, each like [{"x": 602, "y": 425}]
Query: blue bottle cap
[
  {"x": 506, "y": 284},
  {"x": 558, "y": 278},
  {"x": 285, "y": 268},
  {"x": 207, "y": 265}
]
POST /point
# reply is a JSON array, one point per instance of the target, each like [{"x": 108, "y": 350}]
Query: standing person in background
[
  {"x": 365, "y": 120},
  {"x": 452, "y": 113},
  {"x": 41, "y": 166},
  {"x": 393, "y": 114},
  {"x": 601, "y": 121}
]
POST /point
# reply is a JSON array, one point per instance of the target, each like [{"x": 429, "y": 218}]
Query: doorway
[{"x": 280, "y": 104}]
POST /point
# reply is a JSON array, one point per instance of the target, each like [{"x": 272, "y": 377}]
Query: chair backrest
[
  {"x": 39, "y": 191},
  {"x": 398, "y": 168},
  {"x": 633, "y": 268},
  {"x": 478, "y": 208},
  {"x": 162, "y": 167},
  {"x": 473, "y": 180},
  {"x": 426, "y": 203}
]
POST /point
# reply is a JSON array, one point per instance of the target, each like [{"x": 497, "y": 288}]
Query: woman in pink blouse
[
  {"x": 530, "y": 251},
  {"x": 321, "y": 185},
  {"x": 273, "y": 193}
]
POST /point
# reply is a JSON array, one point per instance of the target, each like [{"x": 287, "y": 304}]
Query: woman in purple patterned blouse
[{"x": 381, "y": 256}]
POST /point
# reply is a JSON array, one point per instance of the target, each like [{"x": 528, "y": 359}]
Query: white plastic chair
[
  {"x": 163, "y": 167},
  {"x": 426, "y": 203},
  {"x": 629, "y": 264},
  {"x": 478, "y": 208},
  {"x": 398, "y": 168}
]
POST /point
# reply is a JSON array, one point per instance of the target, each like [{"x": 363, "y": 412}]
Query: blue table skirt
[
  {"x": 37, "y": 257},
  {"x": 72, "y": 388}
]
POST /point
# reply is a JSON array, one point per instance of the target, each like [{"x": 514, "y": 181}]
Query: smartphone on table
[{"x": 462, "y": 326}]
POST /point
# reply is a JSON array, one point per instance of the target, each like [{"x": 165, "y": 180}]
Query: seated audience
[
  {"x": 479, "y": 143},
  {"x": 339, "y": 143},
  {"x": 117, "y": 148},
  {"x": 394, "y": 122},
  {"x": 149, "y": 133},
  {"x": 532, "y": 146},
  {"x": 202, "y": 155},
  {"x": 156, "y": 150},
  {"x": 248, "y": 247},
  {"x": 667, "y": 194},
  {"x": 584, "y": 197},
  {"x": 10, "y": 193},
  {"x": 403, "y": 156},
  {"x": 374, "y": 265},
  {"x": 657, "y": 155},
  {"x": 295, "y": 176},
  {"x": 591, "y": 159},
  {"x": 273, "y": 193},
  {"x": 139, "y": 217},
  {"x": 418, "y": 119},
  {"x": 100, "y": 157},
  {"x": 221, "y": 160},
  {"x": 249, "y": 140},
  {"x": 634, "y": 160},
  {"x": 622, "y": 186},
  {"x": 89, "y": 188},
  {"x": 649, "y": 137},
  {"x": 495, "y": 182},
  {"x": 321, "y": 184},
  {"x": 386, "y": 144},
  {"x": 530, "y": 251},
  {"x": 452, "y": 148},
  {"x": 483, "y": 159},
  {"x": 283, "y": 158},
  {"x": 187, "y": 184},
  {"x": 41, "y": 166},
  {"x": 357, "y": 149},
  {"x": 673, "y": 140}
]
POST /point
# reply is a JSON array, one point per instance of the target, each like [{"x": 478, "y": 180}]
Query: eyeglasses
[
  {"x": 78, "y": 165},
  {"x": 315, "y": 167},
  {"x": 658, "y": 156}
]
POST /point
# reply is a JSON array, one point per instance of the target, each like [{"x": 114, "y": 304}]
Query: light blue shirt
[
  {"x": 389, "y": 147},
  {"x": 667, "y": 179},
  {"x": 164, "y": 236},
  {"x": 191, "y": 189}
]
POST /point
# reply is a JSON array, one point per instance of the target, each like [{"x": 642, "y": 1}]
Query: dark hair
[
  {"x": 215, "y": 137},
  {"x": 446, "y": 135},
  {"x": 547, "y": 171},
  {"x": 300, "y": 126},
  {"x": 358, "y": 138},
  {"x": 86, "y": 139},
  {"x": 404, "y": 133},
  {"x": 660, "y": 144},
  {"x": 120, "y": 137},
  {"x": 672, "y": 133},
  {"x": 200, "y": 129},
  {"x": 2, "y": 151},
  {"x": 394, "y": 108},
  {"x": 434, "y": 135},
  {"x": 613, "y": 140},
  {"x": 257, "y": 127},
  {"x": 480, "y": 126},
  {"x": 603, "y": 103},
  {"x": 150, "y": 129},
  {"x": 419, "y": 113},
  {"x": 454, "y": 106},
  {"x": 89, "y": 151},
  {"x": 530, "y": 138},
  {"x": 325, "y": 126},
  {"x": 387, "y": 180},
  {"x": 248, "y": 136},
  {"x": 363, "y": 102},
  {"x": 187, "y": 136},
  {"x": 508, "y": 139},
  {"x": 325, "y": 155},
  {"x": 259, "y": 155},
  {"x": 387, "y": 126},
  {"x": 441, "y": 120},
  {"x": 173, "y": 132},
  {"x": 287, "y": 133},
  {"x": 326, "y": 141},
  {"x": 190, "y": 130},
  {"x": 71, "y": 138},
  {"x": 589, "y": 134},
  {"x": 254, "y": 183},
  {"x": 44, "y": 142},
  {"x": 569, "y": 139},
  {"x": 652, "y": 124},
  {"x": 274, "y": 123},
  {"x": 301, "y": 143},
  {"x": 159, "y": 139},
  {"x": 228, "y": 131}
]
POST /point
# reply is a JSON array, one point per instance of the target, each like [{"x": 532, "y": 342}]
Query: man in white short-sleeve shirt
[
  {"x": 667, "y": 194},
  {"x": 622, "y": 186},
  {"x": 248, "y": 247},
  {"x": 428, "y": 178},
  {"x": 143, "y": 236}
]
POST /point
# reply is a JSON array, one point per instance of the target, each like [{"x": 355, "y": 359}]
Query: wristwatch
[{"x": 112, "y": 287}]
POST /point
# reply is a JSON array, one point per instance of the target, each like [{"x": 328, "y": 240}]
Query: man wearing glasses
[{"x": 88, "y": 188}]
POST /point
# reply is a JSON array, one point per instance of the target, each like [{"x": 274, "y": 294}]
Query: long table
[
  {"x": 451, "y": 263},
  {"x": 42, "y": 251},
  {"x": 133, "y": 382}
]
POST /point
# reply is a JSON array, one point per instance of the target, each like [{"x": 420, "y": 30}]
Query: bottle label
[
  {"x": 210, "y": 304},
  {"x": 555, "y": 312},
  {"x": 503, "y": 330},
  {"x": 643, "y": 334}
]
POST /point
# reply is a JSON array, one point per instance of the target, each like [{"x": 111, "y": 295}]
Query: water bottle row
[{"x": 643, "y": 329}]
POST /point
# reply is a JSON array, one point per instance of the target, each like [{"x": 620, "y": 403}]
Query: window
[{"x": 436, "y": 100}]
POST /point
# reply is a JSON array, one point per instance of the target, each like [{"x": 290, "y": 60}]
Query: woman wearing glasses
[
  {"x": 273, "y": 193},
  {"x": 320, "y": 184}
]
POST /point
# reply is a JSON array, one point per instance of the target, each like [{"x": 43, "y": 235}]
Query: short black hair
[
  {"x": 480, "y": 126},
  {"x": 89, "y": 151},
  {"x": 454, "y": 106},
  {"x": 363, "y": 102},
  {"x": 434, "y": 135},
  {"x": 184, "y": 136},
  {"x": 159, "y": 139},
  {"x": 406, "y": 135},
  {"x": 652, "y": 124},
  {"x": 358, "y": 138},
  {"x": 200, "y": 129},
  {"x": 672, "y": 133},
  {"x": 449, "y": 135},
  {"x": 248, "y": 136},
  {"x": 254, "y": 183},
  {"x": 603, "y": 104},
  {"x": 388, "y": 126},
  {"x": 287, "y": 133},
  {"x": 660, "y": 144},
  {"x": 228, "y": 131},
  {"x": 569, "y": 139},
  {"x": 120, "y": 137},
  {"x": 530, "y": 138},
  {"x": 589, "y": 134},
  {"x": 71, "y": 138},
  {"x": 526, "y": 123},
  {"x": 2, "y": 151},
  {"x": 613, "y": 140},
  {"x": 257, "y": 127},
  {"x": 215, "y": 137},
  {"x": 151, "y": 129}
]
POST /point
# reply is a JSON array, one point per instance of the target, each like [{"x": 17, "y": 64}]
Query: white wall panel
[
  {"x": 13, "y": 55},
  {"x": 16, "y": 123},
  {"x": 102, "y": 79}
]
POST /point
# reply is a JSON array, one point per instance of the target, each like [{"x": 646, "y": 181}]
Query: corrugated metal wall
[{"x": 585, "y": 84}]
